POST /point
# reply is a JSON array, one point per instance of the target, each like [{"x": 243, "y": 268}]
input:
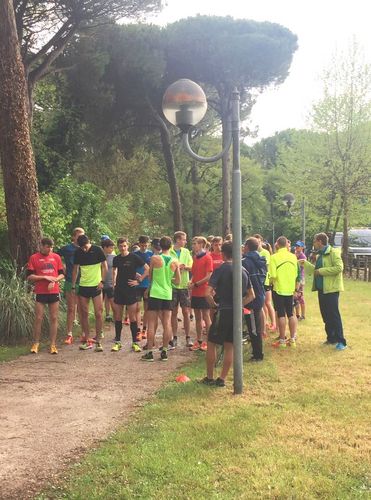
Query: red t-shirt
[
  {"x": 45, "y": 265},
  {"x": 200, "y": 267},
  {"x": 217, "y": 260}
]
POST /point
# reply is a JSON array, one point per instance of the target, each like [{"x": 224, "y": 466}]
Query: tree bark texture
[
  {"x": 345, "y": 245},
  {"x": 18, "y": 165},
  {"x": 196, "y": 202},
  {"x": 170, "y": 168}
]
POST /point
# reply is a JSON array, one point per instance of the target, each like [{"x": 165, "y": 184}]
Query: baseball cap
[
  {"x": 299, "y": 244},
  {"x": 105, "y": 237}
]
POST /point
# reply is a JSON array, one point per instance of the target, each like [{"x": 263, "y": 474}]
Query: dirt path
[{"x": 52, "y": 408}]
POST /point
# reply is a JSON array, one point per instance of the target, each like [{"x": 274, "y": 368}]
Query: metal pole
[
  {"x": 237, "y": 261},
  {"x": 303, "y": 219}
]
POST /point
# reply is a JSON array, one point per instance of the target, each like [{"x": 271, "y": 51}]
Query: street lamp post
[{"x": 184, "y": 105}]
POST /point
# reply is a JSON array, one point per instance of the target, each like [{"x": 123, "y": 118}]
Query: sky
[{"x": 322, "y": 27}]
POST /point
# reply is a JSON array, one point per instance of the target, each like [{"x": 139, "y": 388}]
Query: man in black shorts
[
  {"x": 124, "y": 279},
  {"x": 45, "y": 270},
  {"x": 221, "y": 330},
  {"x": 92, "y": 263},
  {"x": 284, "y": 273}
]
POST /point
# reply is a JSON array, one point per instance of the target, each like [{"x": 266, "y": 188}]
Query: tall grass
[{"x": 17, "y": 306}]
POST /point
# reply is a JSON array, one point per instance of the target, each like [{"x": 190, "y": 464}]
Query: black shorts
[
  {"x": 47, "y": 298},
  {"x": 125, "y": 297},
  {"x": 221, "y": 329},
  {"x": 283, "y": 305},
  {"x": 108, "y": 292},
  {"x": 199, "y": 303},
  {"x": 89, "y": 292},
  {"x": 181, "y": 296},
  {"x": 159, "y": 304},
  {"x": 140, "y": 293}
]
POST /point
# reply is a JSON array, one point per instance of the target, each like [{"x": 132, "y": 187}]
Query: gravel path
[{"x": 53, "y": 408}]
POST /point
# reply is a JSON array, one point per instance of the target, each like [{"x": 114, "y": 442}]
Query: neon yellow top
[
  {"x": 284, "y": 272},
  {"x": 183, "y": 256},
  {"x": 265, "y": 253}
]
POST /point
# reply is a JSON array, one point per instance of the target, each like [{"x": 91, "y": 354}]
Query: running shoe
[
  {"x": 196, "y": 346},
  {"x": 147, "y": 357},
  {"x": 53, "y": 349},
  {"x": 171, "y": 345},
  {"x": 69, "y": 339},
  {"x": 85, "y": 346},
  {"x": 219, "y": 382},
  {"x": 116, "y": 347},
  {"x": 292, "y": 343},
  {"x": 135, "y": 347},
  {"x": 189, "y": 342},
  {"x": 203, "y": 346},
  {"x": 279, "y": 344},
  {"x": 163, "y": 355},
  {"x": 76, "y": 322},
  {"x": 175, "y": 341},
  {"x": 207, "y": 381},
  {"x": 126, "y": 321},
  {"x": 98, "y": 347},
  {"x": 109, "y": 319},
  {"x": 35, "y": 348},
  {"x": 340, "y": 346}
]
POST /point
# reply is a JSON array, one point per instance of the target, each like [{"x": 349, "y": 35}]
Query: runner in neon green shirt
[
  {"x": 181, "y": 293},
  {"x": 163, "y": 270}
]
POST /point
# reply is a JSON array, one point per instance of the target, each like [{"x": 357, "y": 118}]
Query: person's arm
[
  {"x": 104, "y": 271},
  {"x": 249, "y": 297},
  {"x": 209, "y": 296},
  {"x": 336, "y": 268},
  {"x": 175, "y": 267},
  {"x": 75, "y": 273},
  {"x": 114, "y": 275},
  {"x": 308, "y": 266}
]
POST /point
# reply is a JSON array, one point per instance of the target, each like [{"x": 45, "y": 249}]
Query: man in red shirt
[
  {"x": 45, "y": 270},
  {"x": 216, "y": 251},
  {"x": 202, "y": 268}
]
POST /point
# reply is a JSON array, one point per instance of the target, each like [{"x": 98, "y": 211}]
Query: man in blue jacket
[{"x": 256, "y": 266}]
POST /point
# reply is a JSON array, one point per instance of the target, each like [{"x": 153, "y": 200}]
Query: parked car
[{"x": 359, "y": 241}]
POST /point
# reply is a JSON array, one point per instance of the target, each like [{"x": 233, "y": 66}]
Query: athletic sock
[
  {"x": 134, "y": 330},
  {"x": 118, "y": 330}
]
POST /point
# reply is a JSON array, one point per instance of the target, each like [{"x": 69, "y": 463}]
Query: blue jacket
[{"x": 256, "y": 266}]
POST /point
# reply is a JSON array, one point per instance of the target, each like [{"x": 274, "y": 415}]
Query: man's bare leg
[
  {"x": 84, "y": 311},
  {"x": 53, "y": 322},
  {"x": 228, "y": 359},
  {"x": 39, "y": 315},
  {"x": 210, "y": 359},
  {"x": 98, "y": 313},
  {"x": 165, "y": 317},
  {"x": 293, "y": 324}
]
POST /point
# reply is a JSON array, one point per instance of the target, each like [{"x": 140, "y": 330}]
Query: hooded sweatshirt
[{"x": 256, "y": 266}]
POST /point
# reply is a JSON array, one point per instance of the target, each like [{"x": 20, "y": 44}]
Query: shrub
[{"x": 17, "y": 307}]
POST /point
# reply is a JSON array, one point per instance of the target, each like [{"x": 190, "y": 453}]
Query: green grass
[
  {"x": 7, "y": 353},
  {"x": 300, "y": 430}
]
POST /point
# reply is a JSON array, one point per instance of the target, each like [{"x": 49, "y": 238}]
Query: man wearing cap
[{"x": 299, "y": 301}]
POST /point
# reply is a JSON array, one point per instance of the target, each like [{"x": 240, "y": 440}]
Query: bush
[{"x": 17, "y": 307}]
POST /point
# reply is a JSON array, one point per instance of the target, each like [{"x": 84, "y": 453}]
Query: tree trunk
[
  {"x": 226, "y": 181},
  {"x": 170, "y": 168},
  {"x": 20, "y": 182},
  {"x": 196, "y": 205}
]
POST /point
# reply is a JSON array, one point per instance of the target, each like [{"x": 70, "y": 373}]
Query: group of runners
[{"x": 148, "y": 282}]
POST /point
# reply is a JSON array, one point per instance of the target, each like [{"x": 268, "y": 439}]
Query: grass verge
[{"x": 300, "y": 430}]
